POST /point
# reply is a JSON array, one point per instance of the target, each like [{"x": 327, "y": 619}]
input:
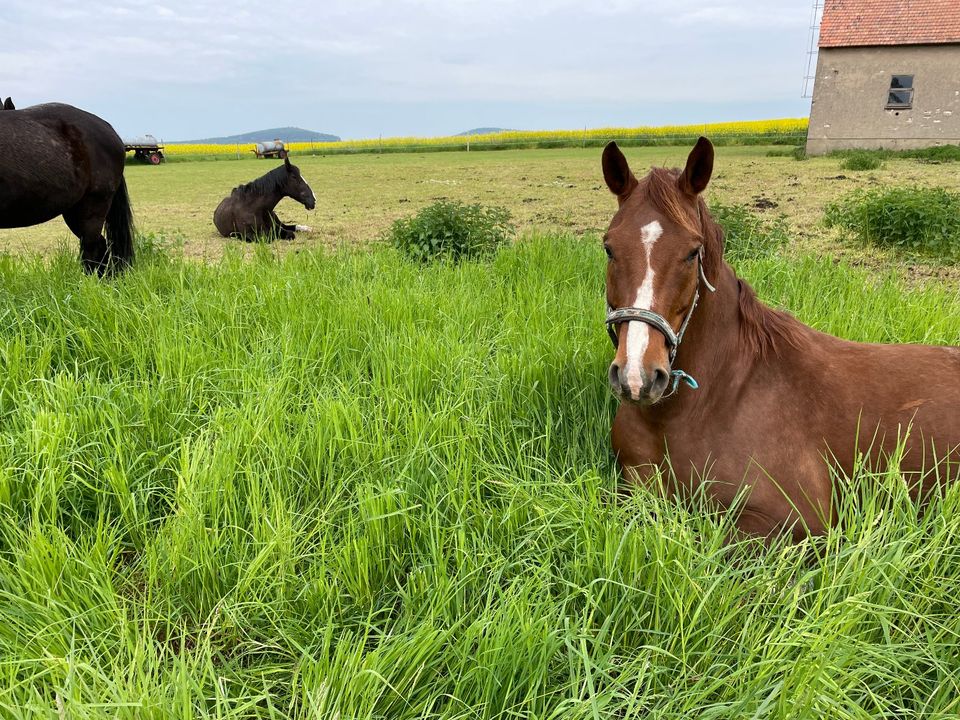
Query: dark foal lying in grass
[{"x": 248, "y": 212}]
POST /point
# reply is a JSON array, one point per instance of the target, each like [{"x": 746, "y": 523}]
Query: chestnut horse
[{"x": 717, "y": 388}]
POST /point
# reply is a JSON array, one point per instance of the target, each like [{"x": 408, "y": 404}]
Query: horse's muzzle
[{"x": 651, "y": 390}]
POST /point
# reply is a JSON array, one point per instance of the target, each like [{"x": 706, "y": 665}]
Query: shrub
[
  {"x": 918, "y": 220},
  {"x": 746, "y": 234},
  {"x": 452, "y": 230},
  {"x": 938, "y": 154},
  {"x": 861, "y": 160},
  {"x": 798, "y": 152}
]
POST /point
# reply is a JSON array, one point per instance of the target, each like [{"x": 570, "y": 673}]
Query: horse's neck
[
  {"x": 711, "y": 350},
  {"x": 265, "y": 201},
  {"x": 273, "y": 198}
]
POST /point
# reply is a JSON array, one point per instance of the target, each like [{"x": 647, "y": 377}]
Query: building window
[{"x": 901, "y": 92}]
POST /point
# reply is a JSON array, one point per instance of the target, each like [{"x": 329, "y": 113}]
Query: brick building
[{"x": 888, "y": 75}]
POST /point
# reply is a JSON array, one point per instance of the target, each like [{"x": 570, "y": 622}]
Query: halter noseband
[{"x": 656, "y": 320}]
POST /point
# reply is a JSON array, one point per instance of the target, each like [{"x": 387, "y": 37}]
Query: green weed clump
[
  {"x": 916, "y": 220},
  {"x": 798, "y": 152},
  {"x": 937, "y": 154},
  {"x": 452, "y": 230},
  {"x": 933, "y": 155},
  {"x": 861, "y": 160},
  {"x": 746, "y": 234}
]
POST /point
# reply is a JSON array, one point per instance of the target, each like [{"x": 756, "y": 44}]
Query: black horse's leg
[
  {"x": 85, "y": 220},
  {"x": 285, "y": 231}
]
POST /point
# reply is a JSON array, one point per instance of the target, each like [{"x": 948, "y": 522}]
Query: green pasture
[
  {"x": 561, "y": 190},
  {"x": 334, "y": 484}
]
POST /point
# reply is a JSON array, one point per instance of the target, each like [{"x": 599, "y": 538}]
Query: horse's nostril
[
  {"x": 614, "y": 375},
  {"x": 659, "y": 381}
]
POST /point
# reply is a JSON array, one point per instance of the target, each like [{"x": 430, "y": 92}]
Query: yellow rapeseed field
[
  {"x": 751, "y": 131},
  {"x": 182, "y": 149}
]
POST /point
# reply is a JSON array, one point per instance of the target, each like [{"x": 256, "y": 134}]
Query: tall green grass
[{"x": 345, "y": 486}]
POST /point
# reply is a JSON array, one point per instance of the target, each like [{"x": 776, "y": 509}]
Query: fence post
[{"x": 380, "y": 145}]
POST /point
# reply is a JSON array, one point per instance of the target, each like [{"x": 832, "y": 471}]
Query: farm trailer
[
  {"x": 271, "y": 149},
  {"x": 146, "y": 148}
]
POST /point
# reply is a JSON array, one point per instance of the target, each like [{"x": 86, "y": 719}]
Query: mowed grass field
[
  {"x": 332, "y": 484},
  {"x": 359, "y": 196}
]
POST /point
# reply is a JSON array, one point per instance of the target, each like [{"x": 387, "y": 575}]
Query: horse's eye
[
  {"x": 692, "y": 256},
  {"x": 608, "y": 251}
]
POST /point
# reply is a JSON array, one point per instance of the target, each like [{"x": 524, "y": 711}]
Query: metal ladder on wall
[{"x": 808, "y": 79}]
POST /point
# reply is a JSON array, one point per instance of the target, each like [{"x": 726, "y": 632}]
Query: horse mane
[
  {"x": 265, "y": 184},
  {"x": 762, "y": 328}
]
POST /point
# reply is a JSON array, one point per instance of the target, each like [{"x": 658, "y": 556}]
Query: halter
[{"x": 656, "y": 320}]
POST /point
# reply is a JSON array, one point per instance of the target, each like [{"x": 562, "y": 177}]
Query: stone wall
[{"x": 850, "y": 98}]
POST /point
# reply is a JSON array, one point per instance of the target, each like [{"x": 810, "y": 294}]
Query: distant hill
[
  {"x": 482, "y": 131},
  {"x": 287, "y": 134}
]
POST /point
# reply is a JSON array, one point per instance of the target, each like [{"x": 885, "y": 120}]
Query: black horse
[
  {"x": 247, "y": 212},
  {"x": 59, "y": 160}
]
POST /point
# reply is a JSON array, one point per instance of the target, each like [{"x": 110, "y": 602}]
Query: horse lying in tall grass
[
  {"x": 248, "y": 212},
  {"x": 780, "y": 406},
  {"x": 56, "y": 159}
]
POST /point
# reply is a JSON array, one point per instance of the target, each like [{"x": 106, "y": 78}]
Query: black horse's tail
[{"x": 119, "y": 228}]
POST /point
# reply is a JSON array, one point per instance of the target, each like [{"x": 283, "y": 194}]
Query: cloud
[
  {"x": 216, "y": 56},
  {"x": 755, "y": 16}
]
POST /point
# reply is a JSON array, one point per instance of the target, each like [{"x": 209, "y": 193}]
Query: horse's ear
[
  {"x": 8, "y": 104},
  {"x": 696, "y": 175},
  {"x": 616, "y": 172},
  {"x": 286, "y": 161}
]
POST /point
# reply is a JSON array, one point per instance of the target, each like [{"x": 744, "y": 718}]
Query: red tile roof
[{"x": 889, "y": 22}]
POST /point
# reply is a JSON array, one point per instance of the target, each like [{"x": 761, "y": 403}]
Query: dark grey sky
[{"x": 185, "y": 69}]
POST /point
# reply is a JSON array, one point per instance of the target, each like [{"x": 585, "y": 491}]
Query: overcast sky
[{"x": 185, "y": 69}]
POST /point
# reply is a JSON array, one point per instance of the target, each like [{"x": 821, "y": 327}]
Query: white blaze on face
[
  {"x": 638, "y": 333},
  {"x": 310, "y": 189}
]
